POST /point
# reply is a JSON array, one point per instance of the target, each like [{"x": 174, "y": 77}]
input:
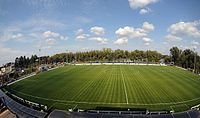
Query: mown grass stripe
[
  {"x": 153, "y": 87},
  {"x": 125, "y": 91}
]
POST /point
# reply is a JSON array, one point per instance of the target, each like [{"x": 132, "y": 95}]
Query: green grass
[{"x": 131, "y": 86}]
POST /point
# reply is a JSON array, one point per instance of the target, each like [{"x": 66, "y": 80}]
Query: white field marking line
[
  {"x": 186, "y": 105},
  {"x": 63, "y": 101},
  {"x": 32, "y": 74},
  {"x": 124, "y": 86},
  {"x": 22, "y": 78},
  {"x": 178, "y": 105},
  {"x": 96, "y": 64},
  {"x": 171, "y": 108},
  {"x": 74, "y": 107}
]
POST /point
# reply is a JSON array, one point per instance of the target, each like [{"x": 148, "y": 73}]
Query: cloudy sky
[{"x": 79, "y": 25}]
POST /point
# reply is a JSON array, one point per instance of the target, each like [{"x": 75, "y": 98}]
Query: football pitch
[{"x": 124, "y": 86}]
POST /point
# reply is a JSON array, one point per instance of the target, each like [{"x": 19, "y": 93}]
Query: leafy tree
[{"x": 175, "y": 54}]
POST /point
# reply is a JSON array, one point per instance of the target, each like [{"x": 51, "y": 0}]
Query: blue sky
[{"x": 79, "y": 25}]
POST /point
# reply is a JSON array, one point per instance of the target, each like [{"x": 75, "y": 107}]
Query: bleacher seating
[
  {"x": 109, "y": 114},
  {"x": 194, "y": 113},
  {"x": 2, "y": 106},
  {"x": 181, "y": 115},
  {"x": 5, "y": 112},
  {"x": 26, "y": 112},
  {"x": 20, "y": 110}
]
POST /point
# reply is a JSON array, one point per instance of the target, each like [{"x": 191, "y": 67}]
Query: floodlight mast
[
  {"x": 39, "y": 55},
  {"x": 67, "y": 51},
  {"x": 40, "y": 48},
  {"x": 194, "y": 61}
]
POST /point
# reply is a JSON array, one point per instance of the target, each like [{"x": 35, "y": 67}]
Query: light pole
[
  {"x": 39, "y": 55},
  {"x": 66, "y": 61},
  {"x": 194, "y": 60}
]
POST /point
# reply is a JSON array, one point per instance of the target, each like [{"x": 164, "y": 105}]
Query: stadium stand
[
  {"x": 64, "y": 114},
  {"x": 194, "y": 113},
  {"x": 2, "y": 106},
  {"x": 4, "y": 112},
  {"x": 20, "y": 110},
  {"x": 59, "y": 114},
  {"x": 26, "y": 112}
]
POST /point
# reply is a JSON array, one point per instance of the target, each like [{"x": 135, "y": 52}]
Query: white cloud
[
  {"x": 17, "y": 36},
  {"x": 40, "y": 24},
  {"x": 100, "y": 40},
  {"x": 9, "y": 33},
  {"x": 82, "y": 36},
  {"x": 50, "y": 41},
  {"x": 185, "y": 29},
  {"x": 14, "y": 36},
  {"x": 135, "y": 32},
  {"x": 121, "y": 41},
  {"x": 45, "y": 4},
  {"x": 54, "y": 35},
  {"x": 195, "y": 44},
  {"x": 171, "y": 37},
  {"x": 148, "y": 27},
  {"x": 30, "y": 32},
  {"x": 49, "y": 34},
  {"x": 19, "y": 30},
  {"x": 8, "y": 54},
  {"x": 182, "y": 30},
  {"x": 123, "y": 34},
  {"x": 97, "y": 30},
  {"x": 130, "y": 32},
  {"x": 147, "y": 41},
  {"x": 79, "y": 31},
  {"x": 134, "y": 4},
  {"x": 145, "y": 11},
  {"x": 5, "y": 37}
]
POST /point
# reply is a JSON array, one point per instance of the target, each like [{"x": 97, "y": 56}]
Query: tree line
[
  {"x": 183, "y": 58},
  {"x": 107, "y": 55},
  {"x": 187, "y": 59},
  {"x": 26, "y": 62}
]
